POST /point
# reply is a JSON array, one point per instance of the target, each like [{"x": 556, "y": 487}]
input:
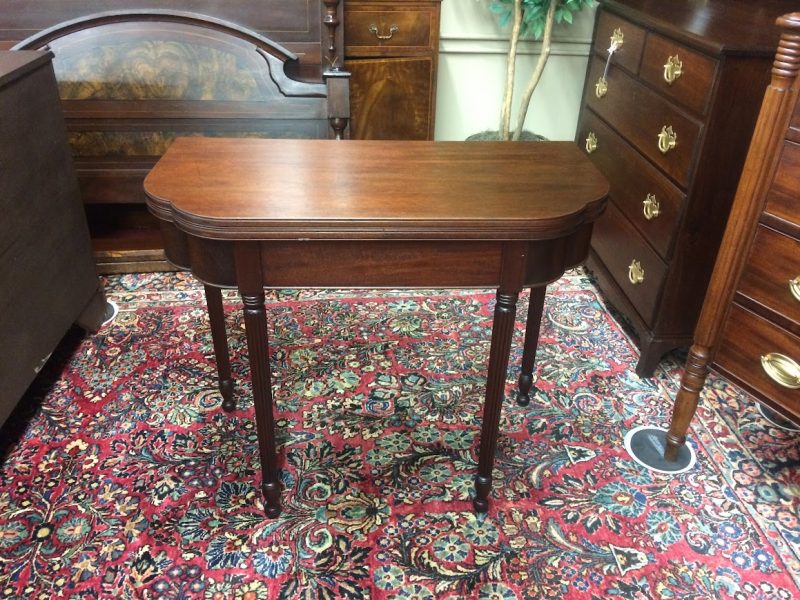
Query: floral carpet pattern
[{"x": 123, "y": 478}]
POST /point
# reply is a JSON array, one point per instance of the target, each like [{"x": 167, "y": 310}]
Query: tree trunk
[
  {"x": 505, "y": 111},
  {"x": 547, "y": 38}
]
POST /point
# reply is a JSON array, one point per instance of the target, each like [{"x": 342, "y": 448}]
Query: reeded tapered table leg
[
  {"x": 532, "y": 329},
  {"x": 502, "y": 331},
  {"x": 255, "y": 322},
  {"x": 216, "y": 316}
]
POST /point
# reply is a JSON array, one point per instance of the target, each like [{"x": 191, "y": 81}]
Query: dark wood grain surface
[{"x": 256, "y": 188}]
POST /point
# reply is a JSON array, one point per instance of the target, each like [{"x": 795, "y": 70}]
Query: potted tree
[{"x": 532, "y": 19}]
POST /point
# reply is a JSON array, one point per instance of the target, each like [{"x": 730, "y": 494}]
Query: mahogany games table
[{"x": 256, "y": 213}]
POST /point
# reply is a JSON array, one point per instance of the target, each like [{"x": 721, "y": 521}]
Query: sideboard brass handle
[
  {"x": 591, "y": 142},
  {"x": 651, "y": 207},
  {"x": 782, "y": 370},
  {"x": 617, "y": 38},
  {"x": 601, "y": 87},
  {"x": 794, "y": 287},
  {"x": 635, "y": 272},
  {"x": 673, "y": 69},
  {"x": 667, "y": 139},
  {"x": 382, "y": 36}
]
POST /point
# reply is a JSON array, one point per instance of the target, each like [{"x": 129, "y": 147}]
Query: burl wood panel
[{"x": 392, "y": 98}]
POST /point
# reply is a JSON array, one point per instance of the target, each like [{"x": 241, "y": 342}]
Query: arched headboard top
[{"x": 167, "y": 55}]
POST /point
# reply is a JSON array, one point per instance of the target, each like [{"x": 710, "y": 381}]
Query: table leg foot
[
  {"x": 646, "y": 446},
  {"x": 226, "y": 389},
  {"x": 483, "y": 487},
  {"x": 532, "y": 328},
  {"x": 272, "y": 498},
  {"x": 219, "y": 337},
  {"x": 526, "y": 389}
]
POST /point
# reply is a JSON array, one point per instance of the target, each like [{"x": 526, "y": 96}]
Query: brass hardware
[
  {"x": 617, "y": 38},
  {"x": 591, "y": 142},
  {"x": 667, "y": 139},
  {"x": 794, "y": 287},
  {"x": 782, "y": 370},
  {"x": 673, "y": 69},
  {"x": 635, "y": 272},
  {"x": 601, "y": 87},
  {"x": 651, "y": 207},
  {"x": 381, "y": 36}
]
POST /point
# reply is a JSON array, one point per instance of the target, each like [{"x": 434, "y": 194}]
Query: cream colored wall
[{"x": 472, "y": 72}]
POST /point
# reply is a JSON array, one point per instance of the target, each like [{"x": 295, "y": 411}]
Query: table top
[{"x": 243, "y": 189}]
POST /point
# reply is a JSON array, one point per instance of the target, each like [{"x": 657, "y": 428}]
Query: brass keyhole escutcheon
[
  {"x": 651, "y": 207},
  {"x": 667, "y": 139},
  {"x": 635, "y": 272},
  {"x": 673, "y": 69},
  {"x": 591, "y": 142}
]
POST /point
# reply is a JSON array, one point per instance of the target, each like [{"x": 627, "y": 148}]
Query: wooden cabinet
[
  {"x": 391, "y": 49},
  {"x": 47, "y": 275},
  {"x": 668, "y": 119},
  {"x": 760, "y": 347},
  {"x": 750, "y": 322}
]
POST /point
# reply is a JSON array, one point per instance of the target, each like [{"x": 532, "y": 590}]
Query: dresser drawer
[
  {"x": 773, "y": 264},
  {"x": 783, "y": 200},
  {"x": 639, "y": 114},
  {"x": 380, "y": 32},
  {"x": 639, "y": 190},
  {"x": 618, "y": 245},
  {"x": 629, "y": 54},
  {"x": 684, "y": 75},
  {"x": 746, "y": 338}
]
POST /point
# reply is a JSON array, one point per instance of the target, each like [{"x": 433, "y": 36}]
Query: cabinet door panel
[{"x": 391, "y": 99}]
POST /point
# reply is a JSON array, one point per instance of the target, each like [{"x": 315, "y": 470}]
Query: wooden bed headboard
[{"x": 131, "y": 81}]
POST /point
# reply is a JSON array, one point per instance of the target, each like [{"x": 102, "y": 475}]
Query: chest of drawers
[
  {"x": 391, "y": 50},
  {"x": 760, "y": 343},
  {"x": 750, "y": 322},
  {"x": 668, "y": 119}
]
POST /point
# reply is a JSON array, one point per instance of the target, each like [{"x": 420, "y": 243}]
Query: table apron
[{"x": 378, "y": 263}]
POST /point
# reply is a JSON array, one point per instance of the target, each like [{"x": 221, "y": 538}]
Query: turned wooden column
[{"x": 776, "y": 111}]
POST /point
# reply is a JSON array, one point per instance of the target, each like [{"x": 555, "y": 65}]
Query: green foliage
[{"x": 534, "y": 13}]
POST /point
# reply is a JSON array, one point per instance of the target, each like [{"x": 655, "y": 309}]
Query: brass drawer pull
[
  {"x": 635, "y": 272},
  {"x": 667, "y": 139},
  {"x": 794, "y": 287},
  {"x": 601, "y": 87},
  {"x": 651, "y": 207},
  {"x": 617, "y": 38},
  {"x": 782, "y": 370},
  {"x": 673, "y": 69},
  {"x": 591, "y": 142},
  {"x": 383, "y": 36}
]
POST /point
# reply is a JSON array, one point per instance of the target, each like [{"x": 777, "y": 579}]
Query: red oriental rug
[{"x": 123, "y": 478}]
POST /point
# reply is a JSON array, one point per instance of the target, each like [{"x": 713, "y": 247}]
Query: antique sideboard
[
  {"x": 668, "y": 118},
  {"x": 127, "y": 95}
]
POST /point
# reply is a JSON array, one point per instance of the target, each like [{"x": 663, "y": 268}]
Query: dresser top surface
[
  {"x": 716, "y": 26},
  {"x": 14, "y": 64}
]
